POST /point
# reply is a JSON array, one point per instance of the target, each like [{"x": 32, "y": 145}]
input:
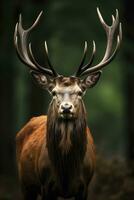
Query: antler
[
  {"x": 109, "y": 54},
  {"x": 24, "y": 50}
]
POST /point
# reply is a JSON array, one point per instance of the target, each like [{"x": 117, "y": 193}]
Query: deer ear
[
  {"x": 92, "y": 79},
  {"x": 40, "y": 78}
]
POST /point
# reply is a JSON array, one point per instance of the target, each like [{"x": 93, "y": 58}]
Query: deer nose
[{"x": 66, "y": 107}]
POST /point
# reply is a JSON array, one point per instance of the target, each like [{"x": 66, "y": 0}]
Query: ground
[{"x": 114, "y": 180}]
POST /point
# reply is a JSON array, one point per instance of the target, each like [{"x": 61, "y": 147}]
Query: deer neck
[{"x": 66, "y": 140}]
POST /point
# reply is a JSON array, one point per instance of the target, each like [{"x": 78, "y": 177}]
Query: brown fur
[
  {"x": 35, "y": 166},
  {"x": 56, "y": 154},
  {"x": 67, "y": 81}
]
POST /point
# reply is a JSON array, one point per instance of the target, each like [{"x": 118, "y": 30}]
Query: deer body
[
  {"x": 55, "y": 153},
  {"x": 39, "y": 173}
]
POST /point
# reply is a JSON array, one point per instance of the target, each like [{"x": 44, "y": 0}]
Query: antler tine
[
  {"x": 108, "y": 56},
  {"x": 23, "y": 38},
  {"x": 47, "y": 71},
  {"x": 36, "y": 21},
  {"x": 99, "y": 66},
  {"x": 24, "y": 51},
  {"x": 110, "y": 30},
  {"x": 91, "y": 58},
  {"x": 48, "y": 60},
  {"x": 82, "y": 60},
  {"x": 81, "y": 67}
]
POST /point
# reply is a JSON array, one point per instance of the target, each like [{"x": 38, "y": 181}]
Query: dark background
[{"x": 66, "y": 24}]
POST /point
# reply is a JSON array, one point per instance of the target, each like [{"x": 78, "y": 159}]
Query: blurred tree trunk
[
  {"x": 7, "y": 89},
  {"x": 129, "y": 74}
]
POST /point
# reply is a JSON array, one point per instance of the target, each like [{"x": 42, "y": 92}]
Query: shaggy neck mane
[{"x": 66, "y": 141}]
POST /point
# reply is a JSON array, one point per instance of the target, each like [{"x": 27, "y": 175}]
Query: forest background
[{"x": 66, "y": 24}]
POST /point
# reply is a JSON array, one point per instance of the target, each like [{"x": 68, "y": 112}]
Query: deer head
[{"x": 67, "y": 92}]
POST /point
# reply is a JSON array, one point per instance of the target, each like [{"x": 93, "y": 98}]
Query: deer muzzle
[{"x": 66, "y": 110}]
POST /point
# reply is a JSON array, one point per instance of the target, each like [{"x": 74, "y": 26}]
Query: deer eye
[
  {"x": 80, "y": 93},
  {"x": 54, "y": 93}
]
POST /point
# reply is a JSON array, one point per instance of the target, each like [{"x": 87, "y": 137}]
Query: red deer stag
[{"x": 55, "y": 153}]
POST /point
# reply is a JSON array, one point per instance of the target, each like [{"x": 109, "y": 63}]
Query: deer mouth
[{"x": 66, "y": 115}]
